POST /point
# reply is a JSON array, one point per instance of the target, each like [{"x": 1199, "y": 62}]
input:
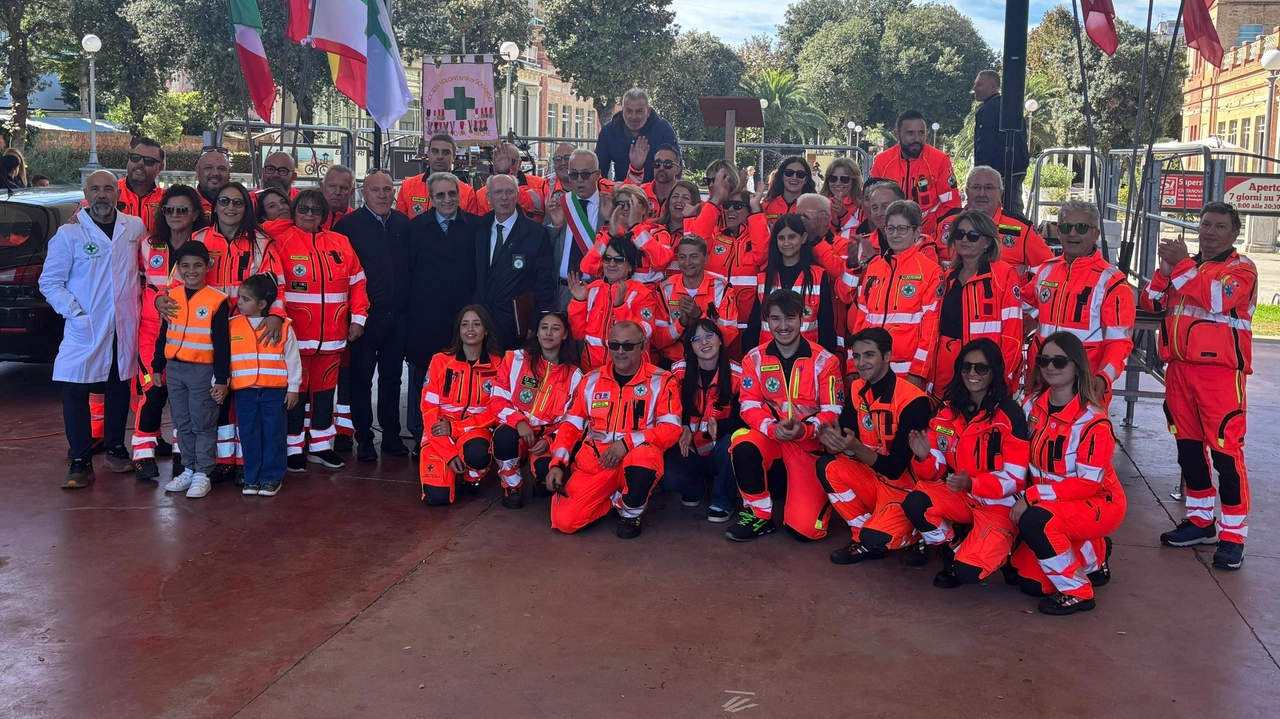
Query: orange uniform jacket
[
  {"x": 991, "y": 447},
  {"x": 812, "y": 393},
  {"x": 157, "y": 275},
  {"x": 902, "y": 293},
  {"x": 708, "y": 405},
  {"x": 880, "y": 422},
  {"x": 812, "y": 302},
  {"x": 1090, "y": 299},
  {"x": 654, "y": 243},
  {"x": 1208, "y": 310},
  {"x": 992, "y": 307},
  {"x": 1071, "y": 453},
  {"x": 531, "y": 197},
  {"x": 591, "y": 319},
  {"x": 325, "y": 289},
  {"x": 776, "y": 207},
  {"x": 240, "y": 260},
  {"x": 414, "y": 199},
  {"x": 540, "y": 397},
  {"x": 644, "y": 412},
  {"x": 737, "y": 259},
  {"x": 460, "y": 392},
  {"x": 1020, "y": 245},
  {"x": 146, "y": 207},
  {"x": 712, "y": 297},
  {"x": 929, "y": 180}
]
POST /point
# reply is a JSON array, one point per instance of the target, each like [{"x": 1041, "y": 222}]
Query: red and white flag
[
  {"x": 247, "y": 22},
  {"x": 1100, "y": 24},
  {"x": 1201, "y": 34}
]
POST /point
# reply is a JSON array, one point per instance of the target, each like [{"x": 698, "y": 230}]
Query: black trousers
[
  {"x": 75, "y": 411},
  {"x": 380, "y": 348},
  {"x": 417, "y": 375}
]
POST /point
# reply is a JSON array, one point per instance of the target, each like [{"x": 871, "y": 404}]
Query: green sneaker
[{"x": 749, "y": 527}]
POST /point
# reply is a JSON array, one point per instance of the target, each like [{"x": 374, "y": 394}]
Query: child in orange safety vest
[{"x": 265, "y": 379}]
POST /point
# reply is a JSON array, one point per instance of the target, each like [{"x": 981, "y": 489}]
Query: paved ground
[{"x": 344, "y": 597}]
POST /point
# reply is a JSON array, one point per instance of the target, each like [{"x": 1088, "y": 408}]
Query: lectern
[{"x": 731, "y": 113}]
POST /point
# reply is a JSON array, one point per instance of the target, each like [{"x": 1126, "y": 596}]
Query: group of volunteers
[{"x": 860, "y": 347}]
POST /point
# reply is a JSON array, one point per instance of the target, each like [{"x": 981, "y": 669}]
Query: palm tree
[{"x": 791, "y": 115}]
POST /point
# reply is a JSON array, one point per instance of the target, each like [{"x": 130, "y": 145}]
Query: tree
[
  {"x": 791, "y": 115},
  {"x": 605, "y": 48},
  {"x": 700, "y": 66},
  {"x": 431, "y": 27},
  {"x": 839, "y": 66},
  {"x": 126, "y": 75},
  {"x": 805, "y": 19},
  {"x": 759, "y": 55},
  {"x": 1045, "y": 42},
  {"x": 34, "y": 37}
]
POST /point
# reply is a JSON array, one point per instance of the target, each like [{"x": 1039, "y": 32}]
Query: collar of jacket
[
  {"x": 882, "y": 389},
  {"x": 804, "y": 350}
]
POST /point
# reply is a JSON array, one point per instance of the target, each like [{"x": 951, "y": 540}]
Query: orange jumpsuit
[
  {"x": 870, "y": 498},
  {"x": 738, "y": 259},
  {"x": 1075, "y": 499},
  {"x": 654, "y": 243},
  {"x": 707, "y": 405},
  {"x": 536, "y": 392},
  {"x": 592, "y": 318},
  {"x": 901, "y": 292},
  {"x": 775, "y": 207},
  {"x": 929, "y": 180},
  {"x": 990, "y": 307},
  {"x": 991, "y": 447},
  {"x": 459, "y": 393},
  {"x": 1207, "y": 340},
  {"x": 1090, "y": 299},
  {"x": 712, "y": 297},
  {"x": 1020, "y": 245},
  {"x": 414, "y": 198},
  {"x": 644, "y": 415},
  {"x": 806, "y": 386}
]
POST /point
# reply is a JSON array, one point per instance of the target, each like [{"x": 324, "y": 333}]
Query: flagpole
[
  {"x": 1131, "y": 220},
  {"x": 244, "y": 99},
  {"x": 1088, "y": 121}
]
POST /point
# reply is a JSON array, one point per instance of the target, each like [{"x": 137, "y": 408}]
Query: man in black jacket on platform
[
  {"x": 514, "y": 269},
  {"x": 442, "y": 280},
  {"x": 379, "y": 236},
  {"x": 989, "y": 141}
]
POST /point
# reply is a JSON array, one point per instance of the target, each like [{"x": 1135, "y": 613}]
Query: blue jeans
[
  {"x": 687, "y": 475},
  {"x": 263, "y": 423}
]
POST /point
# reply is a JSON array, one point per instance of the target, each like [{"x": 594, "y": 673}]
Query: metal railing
[{"x": 860, "y": 155}]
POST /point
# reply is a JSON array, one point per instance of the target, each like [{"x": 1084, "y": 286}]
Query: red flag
[
  {"x": 299, "y": 26},
  {"x": 1100, "y": 24},
  {"x": 1201, "y": 34}
]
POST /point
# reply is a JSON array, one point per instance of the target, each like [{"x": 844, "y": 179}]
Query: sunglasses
[
  {"x": 233, "y": 201},
  {"x": 794, "y": 173},
  {"x": 560, "y": 159},
  {"x": 175, "y": 209},
  {"x": 624, "y": 204},
  {"x": 614, "y": 260},
  {"x": 979, "y": 368},
  {"x": 735, "y": 205},
  {"x": 309, "y": 210},
  {"x": 215, "y": 148},
  {"x": 1079, "y": 227},
  {"x": 970, "y": 236},
  {"x": 624, "y": 346},
  {"x": 148, "y": 161},
  {"x": 839, "y": 179},
  {"x": 665, "y": 164},
  {"x": 582, "y": 175},
  {"x": 1058, "y": 361}
]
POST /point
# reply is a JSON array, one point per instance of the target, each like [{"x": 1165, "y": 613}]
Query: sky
[{"x": 734, "y": 20}]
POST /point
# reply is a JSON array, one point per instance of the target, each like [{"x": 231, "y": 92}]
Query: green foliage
[
  {"x": 759, "y": 55},
  {"x": 838, "y": 65},
  {"x": 163, "y": 123},
  {"x": 791, "y": 116},
  {"x": 34, "y": 36},
  {"x": 627, "y": 44},
  {"x": 700, "y": 66},
  {"x": 429, "y": 27},
  {"x": 60, "y": 164},
  {"x": 805, "y": 19},
  {"x": 1057, "y": 179},
  {"x": 127, "y": 75}
]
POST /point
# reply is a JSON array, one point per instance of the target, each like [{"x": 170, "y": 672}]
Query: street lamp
[
  {"x": 91, "y": 45},
  {"x": 764, "y": 105},
  {"x": 509, "y": 52},
  {"x": 935, "y": 134},
  {"x": 857, "y": 135},
  {"x": 1270, "y": 63},
  {"x": 1031, "y": 105}
]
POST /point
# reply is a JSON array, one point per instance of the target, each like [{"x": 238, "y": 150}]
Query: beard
[{"x": 912, "y": 150}]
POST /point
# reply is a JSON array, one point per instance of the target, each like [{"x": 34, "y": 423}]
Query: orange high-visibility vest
[
  {"x": 190, "y": 334},
  {"x": 255, "y": 363}
]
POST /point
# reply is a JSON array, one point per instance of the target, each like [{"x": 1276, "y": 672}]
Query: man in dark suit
[
  {"x": 587, "y": 197},
  {"x": 989, "y": 141},
  {"x": 442, "y": 280},
  {"x": 514, "y": 271}
]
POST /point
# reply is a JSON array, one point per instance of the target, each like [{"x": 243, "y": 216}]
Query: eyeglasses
[
  {"x": 561, "y": 159},
  {"x": 899, "y": 229},
  {"x": 665, "y": 164},
  {"x": 233, "y": 201},
  {"x": 614, "y": 260},
  {"x": 734, "y": 205},
  {"x": 175, "y": 209},
  {"x": 281, "y": 170},
  {"x": 970, "y": 236},
  {"x": 624, "y": 346},
  {"x": 624, "y": 204},
  {"x": 148, "y": 161},
  {"x": 794, "y": 173},
  {"x": 215, "y": 148},
  {"x": 309, "y": 210},
  {"x": 1079, "y": 227},
  {"x": 702, "y": 338},
  {"x": 582, "y": 174},
  {"x": 979, "y": 368},
  {"x": 839, "y": 179},
  {"x": 1058, "y": 361}
]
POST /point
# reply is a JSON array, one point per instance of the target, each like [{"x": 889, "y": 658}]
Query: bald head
[
  {"x": 815, "y": 211},
  {"x": 100, "y": 194},
  {"x": 279, "y": 170},
  {"x": 213, "y": 171}
]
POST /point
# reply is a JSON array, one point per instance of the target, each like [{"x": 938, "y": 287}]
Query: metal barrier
[
  {"x": 348, "y": 143},
  {"x": 860, "y": 155}
]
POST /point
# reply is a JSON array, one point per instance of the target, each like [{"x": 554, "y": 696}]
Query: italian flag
[
  {"x": 247, "y": 24},
  {"x": 363, "y": 57}
]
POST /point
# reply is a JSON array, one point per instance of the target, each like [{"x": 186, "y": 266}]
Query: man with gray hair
[
  {"x": 514, "y": 274},
  {"x": 628, "y": 142},
  {"x": 1020, "y": 245},
  {"x": 576, "y": 216},
  {"x": 338, "y": 186},
  {"x": 989, "y": 142}
]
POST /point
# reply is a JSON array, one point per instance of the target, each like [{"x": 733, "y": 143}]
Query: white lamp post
[
  {"x": 1270, "y": 63},
  {"x": 850, "y": 125},
  {"x": 509, "y": 52},
  {"x": 935, "y": 134},
  {"x": 764, "y": 105},
  {"x": 857, "y": 135},
  {"x": 1031, "y": 105},
  {"x": 91, "y": 45}
]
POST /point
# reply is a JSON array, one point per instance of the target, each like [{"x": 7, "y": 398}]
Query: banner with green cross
[{"x": 458, "y": 98}]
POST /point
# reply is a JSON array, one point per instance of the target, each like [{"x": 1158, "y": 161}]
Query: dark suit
[
  {"x": 442, "y": 276},
  {"x": 523, "y": 266}
]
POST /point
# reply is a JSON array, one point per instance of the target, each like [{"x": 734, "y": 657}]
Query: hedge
[{"x": 62, "y": 164}]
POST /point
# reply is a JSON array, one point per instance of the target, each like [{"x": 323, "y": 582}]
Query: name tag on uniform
[
  {"x": 299, "y": 258},
  {"x": 517, "y": 262},
  {"x": 598, "y": 405},
  {"x": 770, "y": 368},
  {"x": 298, "y": 286}
]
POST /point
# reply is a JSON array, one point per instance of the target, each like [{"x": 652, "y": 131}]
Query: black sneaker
[
  {"x": 470, "y": 488},
  {"x": 268, "y": 489},
  {"x": 1187, "y": 534},
  {"x": 1102, "y": 575},
  {"x": 690, "y": 501},
  {"x": 222, "y": 473},
  {"x": 749, "y": 527},
  {"x": 146, "y": 470},
  {"x": 79, "y": 474},
  {"x": 296, "y": 463},
  {"x": 395, "y": 449},
  {"x": 917, "y": 555},
  {"x": 118, "y": 461},
  {"x": 327, "y": 458},
  {"x": 540, "y": 491},
  {"x": 365, "y": 451},
  {"x": 513, "y": 499},
  {"x": 1230, "y": 555},
  {"x": 163, "y": 448},
  {"x": 1060, "y": 605},
  {"x": 343, "y": 443},
  {"x": 239, "y": 475},
  {"x": 945, "y": 579},
  {"x": 715, "y": 515},
  {"x": 629, "y": 527},
  {"x": 855, "y": 553}
]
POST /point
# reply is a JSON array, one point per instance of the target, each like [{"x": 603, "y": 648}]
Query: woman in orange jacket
[
  {"x": 792, "y": 179},
  {"x": 843, "y": 186},
  {"x": 970, "y": 463},
  {"x": 617, "y": 297},
  {"x": 458, "y": 414},
  {"x": 1075, "y": 499},
  {"x": 678, "y": 213},
  {"x": 792, "y": 265},
  {"x": 530, "y": 400},
  {"x": 630, "y": 220}
]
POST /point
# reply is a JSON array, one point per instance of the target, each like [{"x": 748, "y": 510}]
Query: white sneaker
[
  {"x": 199, "y": 486},
  {"x": 181, "y": 482}
]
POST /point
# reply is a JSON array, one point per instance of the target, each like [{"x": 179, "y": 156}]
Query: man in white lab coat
[{"x": 91, "y": 278}]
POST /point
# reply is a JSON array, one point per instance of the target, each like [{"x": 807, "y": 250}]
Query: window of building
[
  {"x": 577, "y": 122},
  {"x": 1248, "y": 33},
  {"x": 591, "y": 123},
  {"x": 1222, "y": 130},
  {"x": 524, "y": 111},
  {"x": 1232, "y": 137},
  {"x": 1260, "y": 142},
  {"x": 552, "y": 110},
  {"x": 564, "y": 122}
]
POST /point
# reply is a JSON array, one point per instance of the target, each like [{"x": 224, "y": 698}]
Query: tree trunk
[
  {"x": 19, "y": 70},
  {"x": 604, "y": 111}
]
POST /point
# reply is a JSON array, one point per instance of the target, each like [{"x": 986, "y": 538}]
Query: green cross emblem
[
  {"x": 91, "y": 248},
  {"x": 459, "y": 103}
]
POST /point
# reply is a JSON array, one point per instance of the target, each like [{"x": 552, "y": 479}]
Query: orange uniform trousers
[
  {"x": 753, "y": 454},
  {"x": 934, "y": 510},
  {"x": 867, "y": 501},
  {"x": 592, "y": 489},
  {"x": 1065, "y": 540},
  {"x": 474, "y": 447}
]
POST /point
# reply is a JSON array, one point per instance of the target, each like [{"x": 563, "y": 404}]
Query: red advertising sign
[
  {"x": 1250, "y": 194},
  {"x": 1181, "y": 192}
]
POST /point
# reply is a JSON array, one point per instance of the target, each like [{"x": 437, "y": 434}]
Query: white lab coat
[{"x": 94, "y": 282}]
